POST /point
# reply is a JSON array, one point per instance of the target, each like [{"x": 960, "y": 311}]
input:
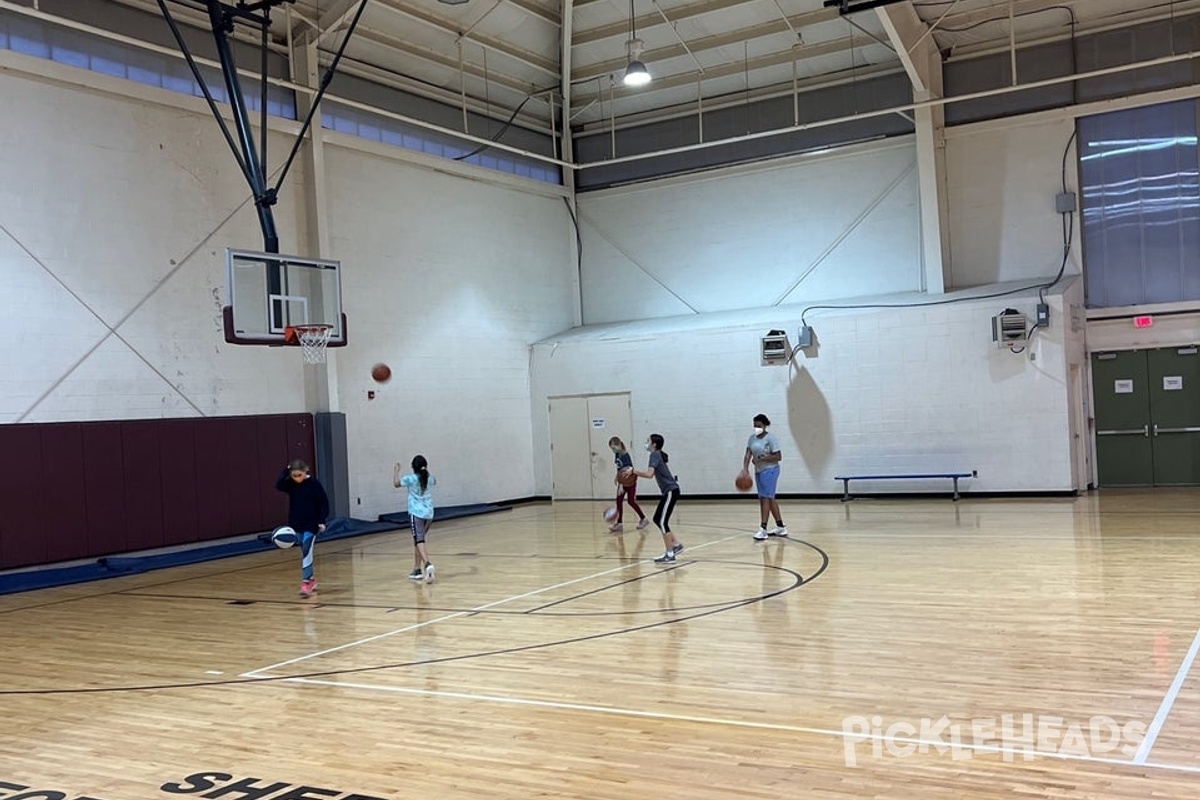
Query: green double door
[{"x": 1147, "y": 405}]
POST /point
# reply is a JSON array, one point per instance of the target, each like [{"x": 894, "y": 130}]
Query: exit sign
[{"x": 1143, "y": 322}]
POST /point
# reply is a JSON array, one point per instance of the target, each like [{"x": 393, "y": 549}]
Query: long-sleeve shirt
[{"x": 308, "y": 505}]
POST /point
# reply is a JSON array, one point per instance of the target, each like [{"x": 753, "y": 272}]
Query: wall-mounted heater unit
[
  {"x": 776, "y": 349},
  {"x": 1010, "y": 328}
]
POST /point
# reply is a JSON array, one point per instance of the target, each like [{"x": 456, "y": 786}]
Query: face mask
[
  {"x": 647, "y": 447},
  {"x": 759, "y": 431}
]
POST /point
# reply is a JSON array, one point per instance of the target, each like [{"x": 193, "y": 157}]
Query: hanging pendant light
[{"x": 636, "y": 73}]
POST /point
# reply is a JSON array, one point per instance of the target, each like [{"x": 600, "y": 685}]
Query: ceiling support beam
[
  {"x": 447, "y": 62},
  {"x": 414, "y": 11},
  {"x": 923, "y": 64},
  {"x": 679, "y": 13},
  {"x": 568, "y": 150},
  {"x": 798, "y": 53}
]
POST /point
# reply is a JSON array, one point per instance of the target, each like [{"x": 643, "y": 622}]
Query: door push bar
[{"x": 1143, "y": 431}]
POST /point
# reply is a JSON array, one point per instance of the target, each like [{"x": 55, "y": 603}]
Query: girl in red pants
[{"x": 625, "y": 491}]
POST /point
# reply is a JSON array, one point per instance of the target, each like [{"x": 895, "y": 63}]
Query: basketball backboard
[{"x": 267, "y": 292}]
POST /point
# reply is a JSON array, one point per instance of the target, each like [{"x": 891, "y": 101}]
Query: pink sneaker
[{"x": 308, "y": 588}]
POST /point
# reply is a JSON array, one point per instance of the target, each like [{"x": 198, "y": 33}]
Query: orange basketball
[
  {"x": 625, "y": 476},
  {"x": 382, "y": 373},
  {"x": 743, "y": 482}
]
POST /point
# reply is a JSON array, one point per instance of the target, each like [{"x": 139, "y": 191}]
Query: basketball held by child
[
  {"x": 743, "y": 482},
  {"x": 381, "y": 373},
  {"x": 283, "y": 537},
  {"x": 626, "y": 477},
  {"x": 610, "y": 514}
]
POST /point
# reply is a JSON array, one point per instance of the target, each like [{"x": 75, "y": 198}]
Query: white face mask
[
  {"x": 759, "y": 431},
  {"x": 648, "y": 448}
]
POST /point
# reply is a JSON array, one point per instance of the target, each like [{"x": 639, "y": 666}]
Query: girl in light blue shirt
[{"x": 420, "y": 513}]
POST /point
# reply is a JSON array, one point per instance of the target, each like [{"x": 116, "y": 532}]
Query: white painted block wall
[
  {"x": 449, "y": 281},
  {"x": 884, "y": 391},
  {"x": 793, "y": 230},
  {"x": 912, "y": 390},
  {"x": 117, "y": 205},
  {"x": 116, "y": 215},
  {"x": 122, "y": 222},
  {"x": 1002, "y": 178}
]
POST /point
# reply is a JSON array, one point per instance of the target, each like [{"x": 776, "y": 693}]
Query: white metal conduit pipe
[
  {"x": 280, "y": 82},
  {"x": 909, "y": 107},
  {"x": 902, "y": 109}
]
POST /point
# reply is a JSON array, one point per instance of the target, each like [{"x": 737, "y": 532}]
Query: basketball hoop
[{"x": 313, "y": 340}]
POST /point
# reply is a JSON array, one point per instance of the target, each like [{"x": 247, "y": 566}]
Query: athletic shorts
[
  {"x": 766, "y": 482},
  {"x": 420, "y": 527}
]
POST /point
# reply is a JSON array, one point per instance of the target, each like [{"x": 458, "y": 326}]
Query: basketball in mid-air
[
  {"x": 743, "y": 482},
  {"x": 626, "y": 476},
  {"x": 284, "y": 537},
  {"x": 382, "y": 373},
  {"x": 610, "y": 513}
]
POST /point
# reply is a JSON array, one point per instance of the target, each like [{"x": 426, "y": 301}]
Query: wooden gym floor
[{"x": 554, "y": 660}]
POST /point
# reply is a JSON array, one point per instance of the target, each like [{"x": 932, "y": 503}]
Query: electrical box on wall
[
  {"x": 1010, "y": 328},
  {"x": 776, "y": 349}
]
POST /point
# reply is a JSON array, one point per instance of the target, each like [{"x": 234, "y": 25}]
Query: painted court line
[
  {"x": 258, "y": 673},
  {"x": 1020, "y": 755},
  {"x": 1160, "y": 719}
]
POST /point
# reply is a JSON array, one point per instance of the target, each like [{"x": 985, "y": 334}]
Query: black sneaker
[
  {"x": 676, "y": 548},
  {"x": 666, "y": 558},
  {"x": 417, "y": 574}
]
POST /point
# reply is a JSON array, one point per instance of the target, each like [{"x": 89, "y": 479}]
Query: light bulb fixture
[{"x": 636, "y": 73}]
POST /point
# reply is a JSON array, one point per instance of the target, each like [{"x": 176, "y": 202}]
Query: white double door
[{"x": 580, "y": 428}]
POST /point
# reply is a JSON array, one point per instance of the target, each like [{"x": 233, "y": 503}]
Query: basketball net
[{"x": 313, "y": 341}]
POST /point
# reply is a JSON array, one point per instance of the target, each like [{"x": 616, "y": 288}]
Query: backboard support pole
[{"x": 222, "y": 19}]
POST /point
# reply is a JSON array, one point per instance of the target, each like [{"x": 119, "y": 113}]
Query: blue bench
[{"x": 847, "y": 478}]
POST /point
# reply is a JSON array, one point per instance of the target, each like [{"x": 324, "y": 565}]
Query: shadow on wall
[
  {"x": 1005, "y": 364},
  {"x": 809, "y": 420}
]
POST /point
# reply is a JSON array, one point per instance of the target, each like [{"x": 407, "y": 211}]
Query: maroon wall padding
[
  {"x": 87, "y": 489},
  {"x": 22, "y": 536},
  {"x": 177, "y": 460},
  {"x": 104, "y": 482},
  {"x": 211, "y": 472},
  {"x": 143, "y": 485},
  {"x": 244, "y": 476},
  {"x": 63, "y": 497},
  {"x": 302, "y": 441},
  {"x": 273, "y": 440}
]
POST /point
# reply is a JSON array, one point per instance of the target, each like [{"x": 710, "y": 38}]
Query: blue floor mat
[
  {"x": 400, "y": 518},
  {"x": 113, "y": 566}
]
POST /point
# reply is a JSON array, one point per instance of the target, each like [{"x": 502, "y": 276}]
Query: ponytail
[{"x": 421, "y": 467}]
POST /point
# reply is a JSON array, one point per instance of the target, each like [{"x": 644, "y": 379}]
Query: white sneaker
[
  {"x": 780, "y": 531},
  {"x": 616, "y": 527},
  {"x": 430, "y": 572},
  {"x": 760, "y": 534}
]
